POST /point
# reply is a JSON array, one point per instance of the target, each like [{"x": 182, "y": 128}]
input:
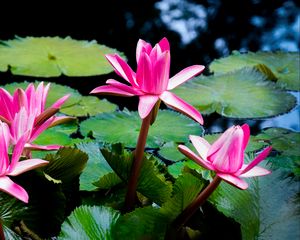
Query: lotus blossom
[
  {"x": 226, "y": 156},
  {"x": 14, "y": 167},
  {"x": 151, "y": 81},
  {"x": 25, "y": 112}
]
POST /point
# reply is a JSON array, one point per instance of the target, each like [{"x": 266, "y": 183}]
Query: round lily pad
[
  {"x": 53, "y": 56},
  {"x": 124, "y": 127},
  {"x": 244, "y": 93},
  {"x": 284, "y": 66},
  {"x": 89, "y": 105},
  {"x": 56, "y": 91}
]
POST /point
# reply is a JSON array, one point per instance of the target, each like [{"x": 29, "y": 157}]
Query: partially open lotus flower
[
  {"x": 151, "y": 81},
  {"x": 14, "y": 167},
  {"x": 226, "y": 156},
  {"x": 25, "y": 112}
]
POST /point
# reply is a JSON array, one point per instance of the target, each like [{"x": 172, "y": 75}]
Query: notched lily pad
[
  {"x": 283, "y": 67},
  {"x": 123, "y": 127},
  {"x": 244, "y": 93},
  {"x": 53, "y": 56}
]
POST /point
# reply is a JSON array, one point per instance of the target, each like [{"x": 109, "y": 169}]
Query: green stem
[
  {"x": 2, "y": 237},
  {"x": 137, "y": 163},
  {"x": 192, "y": 208}
]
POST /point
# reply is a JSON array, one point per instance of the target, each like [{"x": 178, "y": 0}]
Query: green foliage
[
  {"x": 151, "y": 183},
  {"x": 53, "y": 56},
  {"x": 88, "y": 222},
  {"x": 278, "y": 66},
  {"x": 123, "y": 127},
  {"x": 244, "y": 93}
]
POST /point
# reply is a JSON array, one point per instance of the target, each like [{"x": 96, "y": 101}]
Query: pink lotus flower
[
  {"x": 151, "y": 81},
  {"x": 226, "y": 156},
  {"x": 14, "y": 167},
  {"x": 25, "y": 111}
]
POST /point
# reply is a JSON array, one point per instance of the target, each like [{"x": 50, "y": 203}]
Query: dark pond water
[{"x": 199, "y": 31}]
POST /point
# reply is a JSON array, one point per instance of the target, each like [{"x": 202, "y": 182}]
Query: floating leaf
[
  {"x": 56, "y": 91},
  {"x": 151, "y": 224},
  {"x": 90, "y": 223},
  {"x": 53, "y": 56},
  {"x": 266, "y": 210},
  {"x": 151, "y": 183},
  {"x": 170, "y": 152},
  {"x": 281, "y": 65},
  {"x": 244, "y": 93},
  {"x": 96, "y": 166},
  {"x": 89, "y": 105},
  {"x": 124, "y": 127}
]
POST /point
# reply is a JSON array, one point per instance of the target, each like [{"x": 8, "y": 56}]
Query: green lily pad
[
  {"x": 56, "y": 91},
  {"x": 90, "y": 223},
  {"x": 283, "y": 66},
  {"x": 89, "y": 105},
  {"x": 244, "y": 93},
  {"x": 53, "y": 56},
  {"x": 123, "y": 127}
]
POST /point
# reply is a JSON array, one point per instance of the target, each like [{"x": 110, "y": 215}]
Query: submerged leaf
[
  {"x": 53, "y": 56},
  {"x": 244, "y": 93},
  {"x": 90, "y": 223},
  {"x": 280, "y": 65}
]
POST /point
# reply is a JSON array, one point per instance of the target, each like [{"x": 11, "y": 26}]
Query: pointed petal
[
  {"x": 122, "y": 68},
  {"x": 184, "y": 75},
  {"x": 4, "y": 143},
  {"x": 255, "y": 172},
  {"x": 233, "y": 180},
  {"x": 6, "y": 107},
  {"x": 146, "y": 103},
  {"x": 61, "y": 120},
  {"x": 246, "y": 130},
  {"x": 164, "y": 44},
  {"x": 177, "y": 103},
  {"x": 31, "y": 146},
  {"x": 124, "y": 87},
  {"x": 27, "y": 165},
  {"x": 45, "y": 94},
  {"x": 13, "y": 189},
  {"x": 191, "y": 155},
  {"x": 258, "y": 159},
  {"x": 45, "y": 115},
  {"x": 201, "y": 145},
  {"x": 160, "y": 75},
  {"x": 60, "y": 101},
  {"x": 17, "y": 152},
  {"x": 144, "y": 73},
  {"x": 20, "y": 100},
  {"x": 142, "y": 46},
  {"x": 111, "y": 90}
]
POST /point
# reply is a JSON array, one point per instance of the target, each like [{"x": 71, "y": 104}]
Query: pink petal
[
  {"x": 160, "y": 76},
  {"x": 20, "y": 100},
  {"x": 144, "y": 73},
  {"x": 164, "y": 44},
  {"x": 246, "y": 130},
  {"x": 37, "y": 130},
  {"x": 175, "y": 102},
  {"x": 31, "y": 146},
  {"x": 60, "y": 101},
  {"x": 233, "y": 180},
  {"x": 39, "y": 97},
  {"x": 146, "y": 103},
  {"x": 201, "y": 145},
  {"x": 45, "y": 94},
  {"x": 17, "y": 152},
  {"x": 142, "y": 46},
  {"x": 6, "y": 107},
  {"x": 258, "y": 159},
  {"x": 122, "y": 68},
  {"x": 111, "y": 90},
  {"x": 191, "y": 155},
  {"x": 4, "y": 143},
  {"x": 13, "y": 189},
  {"x": 184, "y": 75},
  {"x": 124, "y": 87},
  {"x": 255, "y": 172},
  {"x": 27, "y": 165}
]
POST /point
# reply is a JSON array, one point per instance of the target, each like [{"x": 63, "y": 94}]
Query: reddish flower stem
[
  {"x": 137, "y": 163},
  {"x": 2, "y": 237},
  {"x": 192, "y": 208}
]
